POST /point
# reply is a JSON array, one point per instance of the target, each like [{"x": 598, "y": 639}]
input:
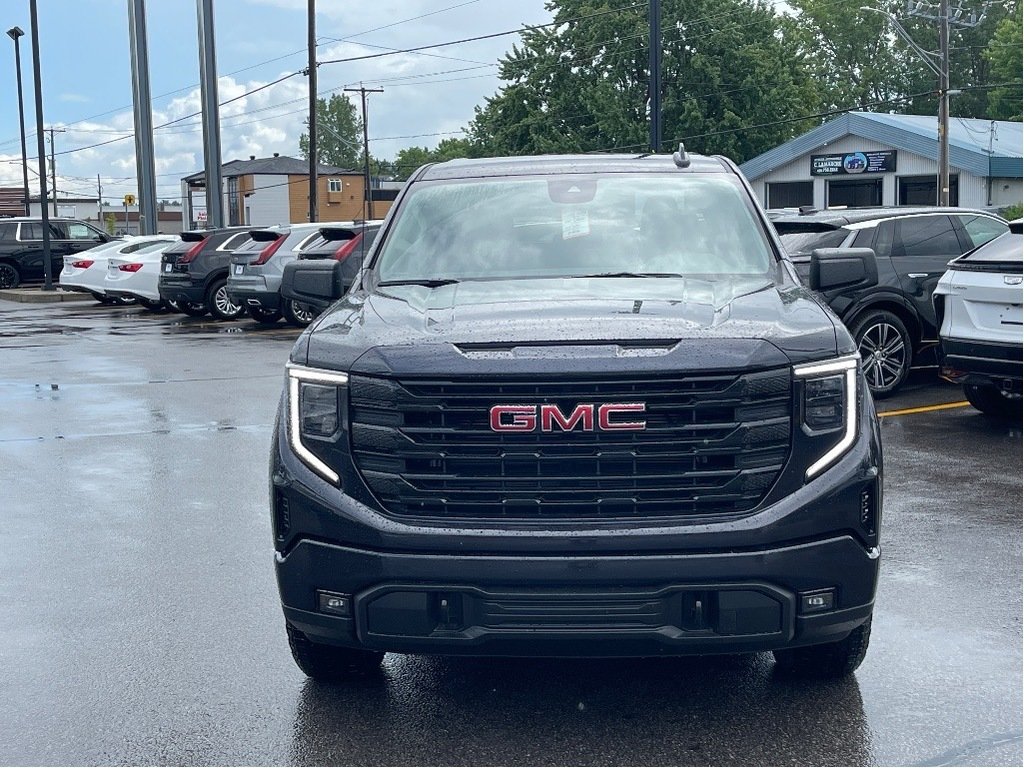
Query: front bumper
[{"x": 627, "y": 605}]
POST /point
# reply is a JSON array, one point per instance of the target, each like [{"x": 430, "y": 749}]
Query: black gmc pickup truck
[{"x": 571, "y": 406}]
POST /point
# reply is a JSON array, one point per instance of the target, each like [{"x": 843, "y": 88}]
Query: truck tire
[
  {"x": 885, "y": 349},
  {"x": 329, "y": 663},
  {"x": 829, "y": 659},
  {"x": 989, "y": 401}
]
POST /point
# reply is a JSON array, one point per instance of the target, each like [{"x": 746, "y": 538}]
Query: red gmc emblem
[{"x": 585, "y": 416}]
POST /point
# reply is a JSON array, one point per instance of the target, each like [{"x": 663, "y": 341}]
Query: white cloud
[{"x": 428, "y": 99}]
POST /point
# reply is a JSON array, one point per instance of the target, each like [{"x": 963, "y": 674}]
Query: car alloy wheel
[
  {"x": 885, "y": 353},
  {"x": 299, "y": 313},
  {"x": 222, "y": 306}
]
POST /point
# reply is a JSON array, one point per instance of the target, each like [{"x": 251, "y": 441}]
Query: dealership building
[{"x": 866, "y": 159}]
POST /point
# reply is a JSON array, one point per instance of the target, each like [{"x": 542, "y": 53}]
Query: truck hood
[{"x": 552, "y": 324}]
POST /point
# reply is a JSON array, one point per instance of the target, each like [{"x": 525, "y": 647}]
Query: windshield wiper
[
  {"x": 428, "y": 282},
  {"x": 629, "y": 274}
]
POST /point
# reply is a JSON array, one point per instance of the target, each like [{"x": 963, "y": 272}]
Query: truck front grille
[{"x": 712, "y": 448}]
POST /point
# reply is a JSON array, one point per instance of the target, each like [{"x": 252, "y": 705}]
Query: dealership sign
[{"x": 853, "y": 162}]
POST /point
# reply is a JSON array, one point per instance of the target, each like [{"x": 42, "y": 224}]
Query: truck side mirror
[
  {"x": 847, "y": 268},
  {"x": 313, "y": 281}
]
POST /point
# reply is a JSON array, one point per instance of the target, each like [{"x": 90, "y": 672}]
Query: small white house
[{"x": 868, "y": 159}]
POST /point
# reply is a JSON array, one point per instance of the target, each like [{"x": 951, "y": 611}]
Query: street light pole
[
  {"x": 38, "y": 80},
  {"x": 15, "y": 33}
]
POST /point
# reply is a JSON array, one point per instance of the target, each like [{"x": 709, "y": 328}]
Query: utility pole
[
  {"x": 943, "y": 102},
  {"x": 99, "y": 203},
  {"x": 211, "y": 115},
  {"x": 368, "y": 196},
  {"x": 314, "y": 203},
  {"x": 41, "y": 144},
  {"x": 144, "y": 161},
  {"x": 654, "y": 87},
  {"x": 957, "y": 14},
  {"x": 53, "y": 166}
]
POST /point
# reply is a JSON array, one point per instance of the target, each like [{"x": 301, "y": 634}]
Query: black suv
[
  {"x": 194, "y": 272},
  {"x": 578, "y": 406},
  {"x": 21, "y": 247},
  {"x": 893, "y": 321}
]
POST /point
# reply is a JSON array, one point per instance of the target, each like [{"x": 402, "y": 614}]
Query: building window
[
  {"x": 854, "y": 193},
  {"x": 334, "y": 185},
  {"x": 234, "y": 211},
  {"x": 789, "y": 194},
  {"x": 923, "y": 190}
]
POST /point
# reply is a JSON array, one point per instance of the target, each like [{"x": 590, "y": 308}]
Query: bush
[{"x": 1011, "y": 212}]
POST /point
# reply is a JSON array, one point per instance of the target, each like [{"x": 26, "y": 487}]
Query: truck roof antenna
[{"x": 680, "y": 158}]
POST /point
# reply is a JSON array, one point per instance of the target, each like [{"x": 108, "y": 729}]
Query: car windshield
[{"x": 575, "y": 226}]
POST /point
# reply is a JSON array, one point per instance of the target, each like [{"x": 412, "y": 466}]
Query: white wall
[
  {"x": 268, "y": 204},
  {"x": 973, "y": 192}
]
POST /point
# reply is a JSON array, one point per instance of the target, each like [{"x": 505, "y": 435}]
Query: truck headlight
[
  {"x": 829, "y": 405},
  {"x": 314, "y": 411}
]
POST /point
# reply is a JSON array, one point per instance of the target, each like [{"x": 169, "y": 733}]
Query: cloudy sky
[{"x": 86, "y": 76}]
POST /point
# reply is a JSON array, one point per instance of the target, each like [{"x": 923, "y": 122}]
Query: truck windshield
[{"x": 655, "y": 225}]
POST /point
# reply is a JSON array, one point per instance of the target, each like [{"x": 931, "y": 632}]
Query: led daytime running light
[
  {"x": 296, "y": 375},
  {"x": 847, "y": 366}
]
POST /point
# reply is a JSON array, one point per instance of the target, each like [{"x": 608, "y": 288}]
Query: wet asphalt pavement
[{"x": 140, "y": 623}]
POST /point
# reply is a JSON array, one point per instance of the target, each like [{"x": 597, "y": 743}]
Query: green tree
[
  {"x": 109, "y": 222},
  {"x": 860, "y": 60},
  {"x": 339, "y": 138},
  {"x": 409, "y": 159},
  {"x": 734, "y": 76},
  {"x": 1003, "y": 54}
]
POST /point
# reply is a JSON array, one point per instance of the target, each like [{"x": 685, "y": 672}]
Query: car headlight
[
  {"x": 314, "y": 412},
  {"x": 829, "y": 406}
]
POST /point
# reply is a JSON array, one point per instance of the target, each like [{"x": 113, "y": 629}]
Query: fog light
[
  {"x": 815, "y": 602},
  {"x": 334, "y": 603}
]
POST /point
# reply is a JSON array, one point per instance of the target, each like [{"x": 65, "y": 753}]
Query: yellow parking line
[{"x": 924, "y": 409}]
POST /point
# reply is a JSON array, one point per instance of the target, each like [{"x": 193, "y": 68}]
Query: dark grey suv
[{"x": 892, "y": 322}]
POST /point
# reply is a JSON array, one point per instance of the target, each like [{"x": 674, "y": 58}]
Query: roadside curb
[{"x": 39, "y": 296}]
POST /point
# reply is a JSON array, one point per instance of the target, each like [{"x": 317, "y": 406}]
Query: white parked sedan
[
  {"x": 135, "y": 275},
  {"x": 978, "y": 303},
  {"x": 85, "y": 271}
]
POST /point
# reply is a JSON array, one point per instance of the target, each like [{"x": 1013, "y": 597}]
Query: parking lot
[{"x": 141, "y": 622}]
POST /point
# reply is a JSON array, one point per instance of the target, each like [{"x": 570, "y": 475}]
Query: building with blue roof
[{"x": 865, "y": 159}]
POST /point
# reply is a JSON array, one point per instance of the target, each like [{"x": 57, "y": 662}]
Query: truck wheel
[
  {"x": 264, "y": 316},
  {"x": 298, "y": 314},
  {"x": 885, "y": 351},
  {"x": 329, "y": 663},
  {"x": 10, "y": 277},
  {"x": 219, "y": 304},
  {"x": 989, "y": 401},
  {"x": 826, "y": 660}
]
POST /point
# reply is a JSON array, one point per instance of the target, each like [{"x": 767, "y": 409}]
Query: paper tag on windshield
[{"x": 575, "y": 222}]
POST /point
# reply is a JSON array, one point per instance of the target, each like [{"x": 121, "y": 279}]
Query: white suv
[{"x": 978, "y": 306}]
